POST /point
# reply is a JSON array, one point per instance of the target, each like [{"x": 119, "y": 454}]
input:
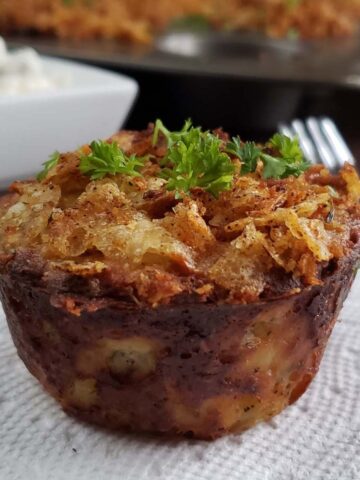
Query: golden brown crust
[{"x": 135, "y": 235}]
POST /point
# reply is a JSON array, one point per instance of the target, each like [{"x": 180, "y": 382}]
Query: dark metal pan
[{"x": 244, "y": 82}]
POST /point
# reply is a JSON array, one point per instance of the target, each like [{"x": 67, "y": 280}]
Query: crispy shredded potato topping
[
  {"x": 260, "y": 239},
  {"x": 138, "y": 21}
]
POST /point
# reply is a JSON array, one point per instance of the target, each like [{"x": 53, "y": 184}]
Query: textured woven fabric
[{"x": 318, "y": 438}]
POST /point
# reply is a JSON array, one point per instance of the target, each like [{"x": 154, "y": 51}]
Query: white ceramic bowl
[{"x": 94, "y": 105}]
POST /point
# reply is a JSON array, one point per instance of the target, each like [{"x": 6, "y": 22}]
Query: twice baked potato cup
[
  {"x": 196, "y": 369},
  {"x": 146, "y": 298}
]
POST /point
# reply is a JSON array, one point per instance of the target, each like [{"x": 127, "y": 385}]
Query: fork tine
[
  {"x": 324, "y": 150},
  {"x": 321, "y": 141},
  {"x": 297, "y": 128},
  {"x": 337, "y": 142},
  {"x": 306, "y": 143},
  {"x": 286, "y": 130}
]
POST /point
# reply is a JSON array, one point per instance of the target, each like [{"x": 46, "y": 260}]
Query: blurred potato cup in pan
[{"x": 138, "y": 22}]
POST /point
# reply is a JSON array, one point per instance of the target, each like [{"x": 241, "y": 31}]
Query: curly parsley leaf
[
  {"x": 273, "y": 167},
  {"x": 281, "y": 158},
  {"x": 194, "y": 159},
  {"x": 171, "y": 137},
  {"x": 289, "y": 148},
  {"x": 290, "y": 156},
  {"x": 108, "y": 159},
  {"x": 248, "y": 152},
  {"x": 48, "y": 165}
]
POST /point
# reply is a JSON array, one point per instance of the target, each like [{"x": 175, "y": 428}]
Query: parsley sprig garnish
[
  {"x": 108, "y": 159},
  {"x": 281, "y": 156},
  {"x": 171, "y": 137},
  {"x": 247, "y": 152},
  {"x": 48, "y": 165},
  {"x": 194, "y": 158}
]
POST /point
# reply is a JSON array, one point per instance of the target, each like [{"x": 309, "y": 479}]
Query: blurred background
[{"x": 244, "y": 65}]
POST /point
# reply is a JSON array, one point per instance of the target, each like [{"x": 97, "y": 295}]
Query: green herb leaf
[
  {"x": 194, "y": 159},
  {"x": 48, "y": 165},
  {"x": 288, "y": 148},
  {"x": 248, "y": 152},
  {"x": 171, "y": 137},
  {"x": 108, "y": 159},
  {"x": 293, "y": 34},
  {"x": 287, "y": 159},
  {"x": 273, "y": 167},
  {"x": 290, "y": 155},
  {"x": 194, "y": 23}
]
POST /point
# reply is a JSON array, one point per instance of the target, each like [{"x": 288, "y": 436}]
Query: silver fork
[{"x": 321, "y": 141}]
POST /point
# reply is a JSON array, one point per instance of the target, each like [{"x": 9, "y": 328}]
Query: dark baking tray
[
  {"x": 225, "y": 54},
  {"x": 244, "y": 82}
]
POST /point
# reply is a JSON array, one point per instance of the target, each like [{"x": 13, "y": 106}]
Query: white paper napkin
[{"x": 318, "y": 438}]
